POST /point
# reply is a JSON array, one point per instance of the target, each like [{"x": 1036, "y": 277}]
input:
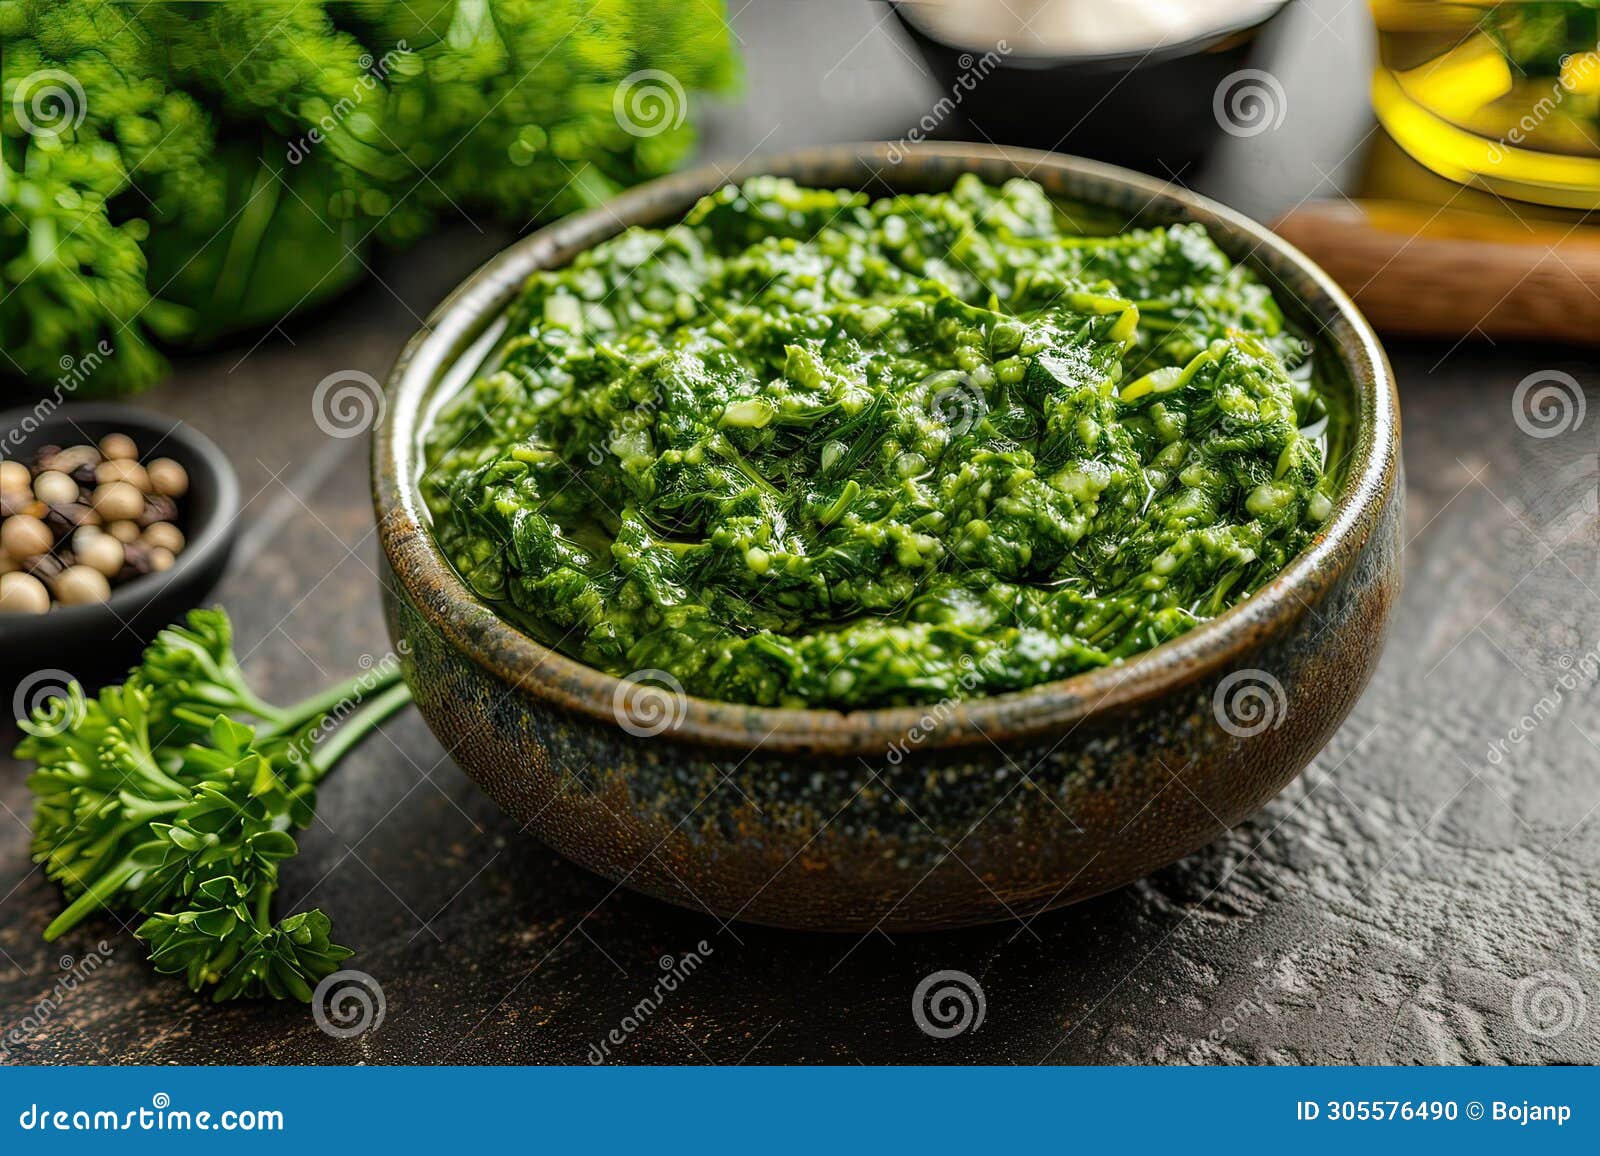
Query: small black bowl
[
  {"x": 1149, "y": 109},
  {"x": 92, "y": 643}
]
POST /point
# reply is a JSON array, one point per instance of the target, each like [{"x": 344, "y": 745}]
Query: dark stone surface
[{"x": 1415, "y": 897}]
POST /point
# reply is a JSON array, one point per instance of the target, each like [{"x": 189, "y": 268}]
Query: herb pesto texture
[{"x": 810, "y": 448}]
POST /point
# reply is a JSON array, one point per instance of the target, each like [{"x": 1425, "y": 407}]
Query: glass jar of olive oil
[{"x": 1502, "y": 94}]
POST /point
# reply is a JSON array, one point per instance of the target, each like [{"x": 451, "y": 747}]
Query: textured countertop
[{"x": 1428, "y": 891}]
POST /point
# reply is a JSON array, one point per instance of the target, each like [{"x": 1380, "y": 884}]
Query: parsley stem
[
  {"x": 352, "y": 691},
  {"x": 357, "y": 728},
  {"x": 95, "y": 896}
]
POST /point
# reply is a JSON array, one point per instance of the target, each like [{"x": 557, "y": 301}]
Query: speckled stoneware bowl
[{"x": 966, "y": 813}]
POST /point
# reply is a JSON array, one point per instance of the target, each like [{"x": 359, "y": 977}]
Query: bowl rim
[
  {"x": 473, "y": 628},
  {"x": 1115, "y": 60},
  {"x": 205, "y": 543}
]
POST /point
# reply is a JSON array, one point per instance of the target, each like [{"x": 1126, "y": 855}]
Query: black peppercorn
[{"x": 158, "y": 508}]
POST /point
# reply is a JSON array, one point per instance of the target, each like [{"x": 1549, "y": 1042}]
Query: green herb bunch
[
  {"x": 152, "y": 800},
  {"x": 170, "y": 171}
]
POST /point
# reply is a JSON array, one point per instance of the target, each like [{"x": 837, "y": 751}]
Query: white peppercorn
[
  {"x": 80, "y": 585},
  {"x": 122, "y": 470},
  {"x": 25, "y": 536},
  {"x": 168, "y": 478},
  {"x": 115, "y": 501},
  {"x": 76, "y": 521},
  {"x": 54, "y": 488},
  {"x": 22, "y": 594},
  {"x": 165, "y": 535},
  {"x": 15, "y": 478},
  {"x": 118, "y": 447},
  {"x": 99, "y": 551}
]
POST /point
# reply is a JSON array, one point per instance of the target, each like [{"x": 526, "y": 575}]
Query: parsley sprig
[{"x": 153, "y": 799}]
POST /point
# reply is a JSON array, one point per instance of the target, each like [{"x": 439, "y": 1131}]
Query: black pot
[
  {"x": 94, "y": 644},
  {"x": 1153, "y": 110}
]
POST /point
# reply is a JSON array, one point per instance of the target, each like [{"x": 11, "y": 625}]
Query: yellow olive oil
[{"x": 1502, "y": 95}]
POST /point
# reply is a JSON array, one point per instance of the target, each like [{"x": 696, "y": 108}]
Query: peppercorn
[
  {"x": 98, "y": 550},
  {"x": 135, "y": 561},
  {"x": 45, "y": 567},
  {"x": 118, "y": 447},
  {"x": 22, "y": 594},
  {"x": 168, "y": 478},
  {"x": 82, "y": 518},
  {"x": 15, "y": 477},
  {"x": 115, "y": 501},
  {"x": 122, "y": 470},
  {"x": 25, "y": 536},
  {"x": 70, "y": 515},
  {"x": 80, "y": 585},
  {"x": 157, "y": 508},
  {"x": 54, "y": 487},
  {"x": 165, "y": 535}
]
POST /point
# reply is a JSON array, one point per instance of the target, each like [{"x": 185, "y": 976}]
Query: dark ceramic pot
[
  {"x": 1151, "y": 108},
  {"x": 906, "y": 818},
  {"x": 97, "y": 643}
]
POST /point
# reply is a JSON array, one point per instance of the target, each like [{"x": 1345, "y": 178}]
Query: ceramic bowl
[
  {"x": 906, "y": 818},
  {"x": 93, "y": 643}
]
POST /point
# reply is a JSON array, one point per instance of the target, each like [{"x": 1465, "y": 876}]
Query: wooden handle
[{"x": 1445, "y": 273}]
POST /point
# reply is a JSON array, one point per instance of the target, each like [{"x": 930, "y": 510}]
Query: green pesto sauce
[{"x": 807, "y": 448}]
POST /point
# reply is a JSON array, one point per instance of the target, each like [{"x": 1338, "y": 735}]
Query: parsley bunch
[
  {"x": 170, "y": 171},
  {"x": 151, "y": 799}
]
